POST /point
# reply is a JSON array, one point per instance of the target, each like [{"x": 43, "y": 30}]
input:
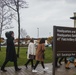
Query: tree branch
[
  {"x": 7, "y": 28},
  {"x": 15, "y": 3},
  {"x": 10, "y": 6}
]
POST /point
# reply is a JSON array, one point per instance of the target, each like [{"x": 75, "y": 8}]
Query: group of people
[
  {"x": 33, "y": 53},
  {"x": 36, "y": 53},
  {"x": 67, "y": 61}
]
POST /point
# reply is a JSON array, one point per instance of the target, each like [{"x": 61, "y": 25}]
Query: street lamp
[{"x": 37, "y": 32}]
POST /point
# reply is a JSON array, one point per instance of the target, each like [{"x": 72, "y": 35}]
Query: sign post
[
  {"x": 64, "y": 40},
  {"x": 54, "y": 49}
]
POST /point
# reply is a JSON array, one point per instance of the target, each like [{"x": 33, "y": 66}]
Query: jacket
[
  {"x": 40, "y": 52},
  {"x": 31, "y": 49}
]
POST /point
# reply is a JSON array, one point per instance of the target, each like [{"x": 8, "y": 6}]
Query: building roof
[{"x": 73, "y": 17}]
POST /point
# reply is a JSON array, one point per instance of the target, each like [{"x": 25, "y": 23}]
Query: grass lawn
[{"x": 23, "y": 57}]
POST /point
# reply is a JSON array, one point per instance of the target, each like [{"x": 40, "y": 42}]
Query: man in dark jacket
[{"x": 10, "y": 51}]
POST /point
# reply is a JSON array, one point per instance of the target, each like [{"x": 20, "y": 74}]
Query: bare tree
[
  {"x": 5, "y": 18},
  {"x": 16, "y": 5}
]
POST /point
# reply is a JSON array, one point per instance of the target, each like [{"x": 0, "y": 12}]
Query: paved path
[
  {"x": 63, "y": 71},
  {"x": 24, "y": 71}
]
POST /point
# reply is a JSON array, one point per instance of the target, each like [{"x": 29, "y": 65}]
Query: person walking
[
  {"x": 10, "y": 51},
  {"x": 71, "y": 59},
  {"x": 31, "y": 52},
  {"x": 60, "y": 60},
  {"x": 40, "y": 55}
]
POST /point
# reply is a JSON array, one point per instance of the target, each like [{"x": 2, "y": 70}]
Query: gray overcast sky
[{"x": 44, "y": 14}]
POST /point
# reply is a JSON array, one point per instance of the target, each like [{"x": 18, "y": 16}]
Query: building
[{"x": 74, "y": 18}]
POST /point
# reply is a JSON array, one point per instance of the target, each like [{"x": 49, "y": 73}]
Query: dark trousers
[
  {"x": 6, "y": 61},
  {"x": 37, "y": 62},
  {"x": 30, "y": 60},
  {"x": 65, "y": 59}
]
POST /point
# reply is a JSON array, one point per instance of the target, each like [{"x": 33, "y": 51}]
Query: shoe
[
  {"x": 46, "y": 68},
  {"x": 18, "y": 69},
  {"x": 67, "y": 67},
  {"x": 3, "y": 70},
  {"x": 26, "y": 66},
  {"x": 34, "y": 70}
]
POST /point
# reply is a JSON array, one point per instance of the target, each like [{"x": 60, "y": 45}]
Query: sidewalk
[
  {"x": 24, "y": 71},
  {"x": 63, "y": 71}
]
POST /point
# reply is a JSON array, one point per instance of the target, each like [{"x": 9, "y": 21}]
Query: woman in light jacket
[{"x": 31, "y": 51}]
